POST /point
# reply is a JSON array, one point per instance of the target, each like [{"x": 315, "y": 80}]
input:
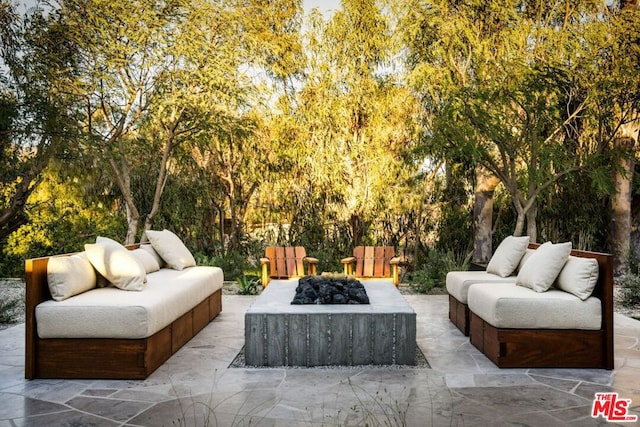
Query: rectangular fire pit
[{"x": 278, "y": 333}]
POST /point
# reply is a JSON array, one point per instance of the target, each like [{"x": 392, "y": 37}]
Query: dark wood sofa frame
[
  {"x": 546, "y": 348},
  {"x": 102, "y": 358}
]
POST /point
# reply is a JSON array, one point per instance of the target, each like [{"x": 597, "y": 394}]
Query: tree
[
  {"x": 486, "y": 184},
  {"x": 349, "y": 130},
  {"x": 37, "y": 108},
  {"x": 498, "y": 87},
  {"x": 124, "y": 47},
  {"x": 618, "y": 113}
]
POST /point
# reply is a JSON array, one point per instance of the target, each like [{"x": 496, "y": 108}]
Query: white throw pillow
[
  {"x": 544, "y": 265},
  {"x": 147, "y": 260},
  {"x": 579, "y": 276},
  {"x": 112, "y": 243},
  {"x": 506, "y": 258},
  {"x": 153, "y": 253},
  {"x": 70, "y": 275},
  {"x": 525, "y": 258},
  {"x": 109, "y": 242},
  {"x": 117, "y": 265},
  {"x": 171, "y": 249}
]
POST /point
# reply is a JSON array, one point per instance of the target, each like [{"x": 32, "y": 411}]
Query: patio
[{"x": 197, "y": 386}]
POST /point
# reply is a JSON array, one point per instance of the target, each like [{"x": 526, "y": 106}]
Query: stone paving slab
[{"x": 196, "y": 387}]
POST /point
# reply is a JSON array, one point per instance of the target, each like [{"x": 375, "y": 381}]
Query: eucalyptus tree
[
  {"x": 253, "y": 57},
  {"x": 349, "y": 128},
  {"x": 499, "y": 86},
  {"x": 616, "y": 110},
  {"x": 38, "y": 112},
  {"x": 124, "y": 47}
]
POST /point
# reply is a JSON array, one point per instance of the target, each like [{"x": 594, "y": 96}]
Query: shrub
[
  {"x": 10, "y": 309},
  {"x": 629, "y": 289},
  {"x": 248, "y": 284},
  {"x": 233, "y": 264},
  {"x": 433, "y": 271},
  {"x": 421, "y": 281}
]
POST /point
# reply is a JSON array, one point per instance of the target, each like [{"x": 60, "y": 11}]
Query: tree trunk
[
  {"x": 532, "y": 226},
  {"x": 483, "y": 216},
  {"x": 133, "y": 219},
  {"x": 621, "y": 207},
  {"x": 124, "y": 184},
  {"x": 160, "y": 181}
]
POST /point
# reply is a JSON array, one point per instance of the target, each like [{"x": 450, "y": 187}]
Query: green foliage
[
  {"x": 38, "y": 116},
  {"x": 629, "y": 283},
  {"x": 11, "y": 306},
  {"x": 629, "y": 289},
  {"x": 333, "y": 148},
  {"x": 9, "y": 309},
  {"x": 233, "y": 264},
  {"x": 248, "y": 284},
  {"x": 508, "y": 90},
  {"x": 432, "y": 271},
  {"x": 63, "y": 215}
]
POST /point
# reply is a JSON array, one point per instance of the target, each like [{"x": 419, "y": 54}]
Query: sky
[{"x": 325, "y": 6}]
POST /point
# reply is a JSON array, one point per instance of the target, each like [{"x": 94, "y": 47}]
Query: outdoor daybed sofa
[
  {"x": 79, "y": 325},
  {"x": 538, "y": 306}
]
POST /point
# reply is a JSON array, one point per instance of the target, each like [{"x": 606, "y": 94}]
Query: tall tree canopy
[
  {"x": 38, "y": 113},
  {"x": 225, "y": 119}
]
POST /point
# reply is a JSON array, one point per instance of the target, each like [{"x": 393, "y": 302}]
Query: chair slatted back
[
  {"x": 373, "y": 261},
  {"x": 285, "y": 261}
]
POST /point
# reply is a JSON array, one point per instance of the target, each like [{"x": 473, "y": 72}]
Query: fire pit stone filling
[{"x": 330, "y": 290}]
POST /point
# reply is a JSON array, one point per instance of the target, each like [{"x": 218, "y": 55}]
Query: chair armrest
[
  {"x": 398, "y": 260},
  {"x": 348, "y": 260},
  {"x": 264, "y": 261},
  {"x": 311, "y": 260}
]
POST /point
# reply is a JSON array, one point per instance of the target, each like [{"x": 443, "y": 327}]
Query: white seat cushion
[
  {"x": 518, "y": 307},
  {"x": 458, "y": 282},
  {"x": 114, "y": 313}
]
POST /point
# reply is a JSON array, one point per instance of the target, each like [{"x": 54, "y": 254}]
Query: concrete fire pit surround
[{"x": 278, "y": 333}]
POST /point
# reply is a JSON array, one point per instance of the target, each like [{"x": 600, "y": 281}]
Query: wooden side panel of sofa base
[
  {"x": 539, "y": 348},
  {"x": 459, "y": 315},
  {"x": 122, "y": 358}
]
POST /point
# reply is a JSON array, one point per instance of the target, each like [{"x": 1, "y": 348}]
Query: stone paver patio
[{"x": 196, "y": 387}]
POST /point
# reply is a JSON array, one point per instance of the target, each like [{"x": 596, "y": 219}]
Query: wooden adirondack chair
[
  {"x": 286, "y": 262},
  {"x": 373, "y": 262}
]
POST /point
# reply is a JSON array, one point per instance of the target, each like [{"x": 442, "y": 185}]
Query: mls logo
[{"x": 612, "y": 408}]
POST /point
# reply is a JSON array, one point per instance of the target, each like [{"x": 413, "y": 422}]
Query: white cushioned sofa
[
  {"x": 548, "y": 307},
  {"x": 107, "y": 323}
]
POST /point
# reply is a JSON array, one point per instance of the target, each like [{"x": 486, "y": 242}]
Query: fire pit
[
  {"x": 278, "y": 333},
  {"x": 330, "y": 290}
]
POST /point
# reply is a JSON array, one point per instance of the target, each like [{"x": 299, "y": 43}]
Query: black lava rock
[{"x": 330, "y": 290}]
